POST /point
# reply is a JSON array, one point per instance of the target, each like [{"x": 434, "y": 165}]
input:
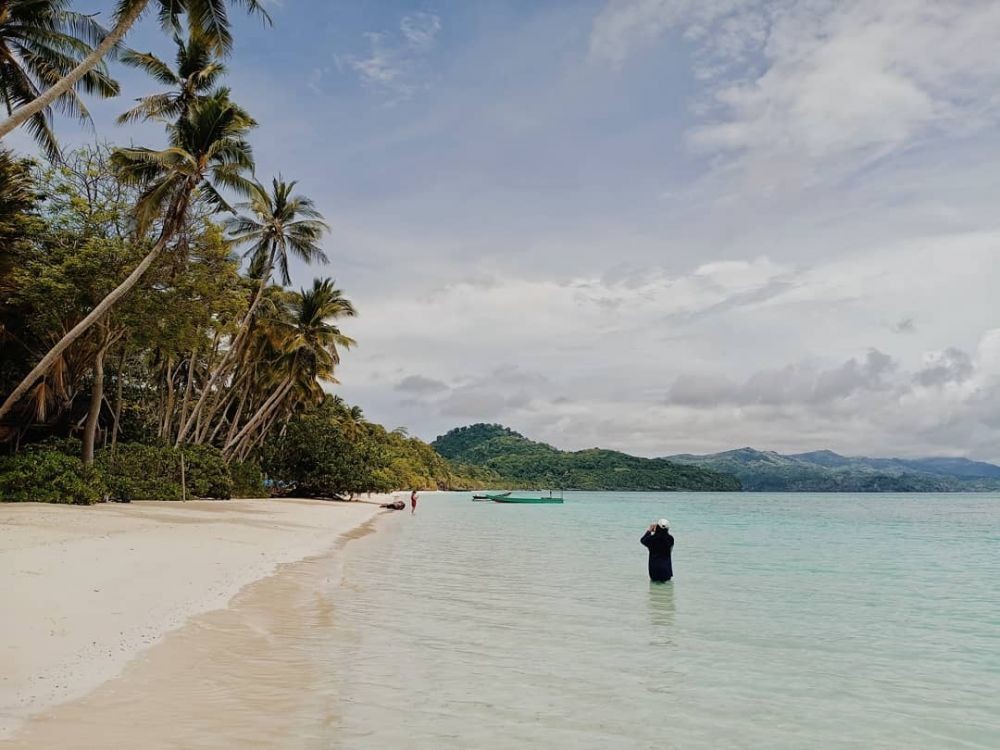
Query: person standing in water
[
  {"x": 413, "y": 502},
  {"x": 658, "y": 541}
]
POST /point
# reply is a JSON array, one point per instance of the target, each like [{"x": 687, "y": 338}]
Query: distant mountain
[
  {"x": 826, "y": 471},
  {"x": 521, "y": 462}
]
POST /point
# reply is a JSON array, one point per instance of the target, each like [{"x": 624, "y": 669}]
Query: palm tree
[
  {"x": 207, "y": 151},
  {"x": 278, "y": 224},
  {"x": 198, "y": 70},
  {"x": 40, "y": 42},
  {"x": 309, "y": 341},
  {"x": 208, "y": 17}
]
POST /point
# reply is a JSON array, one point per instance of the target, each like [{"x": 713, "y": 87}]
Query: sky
[{"x": 658, "y": 226}]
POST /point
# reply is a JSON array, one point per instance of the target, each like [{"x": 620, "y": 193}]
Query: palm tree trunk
[
  {"x": 261, "y": 413},
  {"x": 68, "y": 81},
  {"x": 118, "y": 401},
  {"x": 96, "y": 397},
  {"x": 249, "y": 448},
  {"x": 187, "y": 388},
  {"x": 185, "y": 427},
  {"x": 236, "y": 417},
  {"x": 226, "y": 363},
  {"x": 102, "y": 308},
  {"x": 258, "y": 295},
  {"x": 168, "y": 409},
  {"x": 250, "y": 440}
]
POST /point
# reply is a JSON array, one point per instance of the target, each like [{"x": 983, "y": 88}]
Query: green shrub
[
  {"x": 141, "y": 472},
  {"x": 206, "y": 473},
  {"x": 153, "y": 472},
  {"x": 248, "y": 479},
  {"x": 49, "y": 476},
  {"x": 51, "y": 472}
]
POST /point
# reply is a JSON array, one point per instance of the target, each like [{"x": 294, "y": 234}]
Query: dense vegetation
[
  {"x": 331, "y": 450},
  {"x": 824, "y": 471},
  {"x": 525, "y": 463},
  {"x": 149, "y": 345}
]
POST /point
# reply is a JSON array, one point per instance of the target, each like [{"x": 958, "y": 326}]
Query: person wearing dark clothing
[{"x": 658, "y": 541}]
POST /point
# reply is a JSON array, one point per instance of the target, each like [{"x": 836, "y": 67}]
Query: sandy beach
[{"x": 87, "y": 590}]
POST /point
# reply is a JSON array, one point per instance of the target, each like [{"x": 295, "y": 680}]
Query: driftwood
[{"x": 394, "y": 505}]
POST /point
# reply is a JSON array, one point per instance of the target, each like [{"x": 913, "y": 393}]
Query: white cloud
[
  {"x": 393, "y": 64},
  {"x": 819, "y": 87},
  {"x": 420, "y": 30},
  {"x": 731, "y": 353}
]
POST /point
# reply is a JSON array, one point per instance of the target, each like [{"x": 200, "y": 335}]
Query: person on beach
[
  {"x": 658, "y": 541},
  {"x": 413, "y": 502}
]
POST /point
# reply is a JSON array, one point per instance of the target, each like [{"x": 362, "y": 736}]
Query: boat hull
[{"x": 528, "y": 500}]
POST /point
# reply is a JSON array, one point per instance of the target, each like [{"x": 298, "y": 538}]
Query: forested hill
[
  {"x": 825, "y": 471},
  {"x": 526, "y": 463}
]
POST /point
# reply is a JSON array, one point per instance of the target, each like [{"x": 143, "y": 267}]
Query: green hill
[
  {"x": 825, "y": 471},
  {"x": 525, "y": 463}
]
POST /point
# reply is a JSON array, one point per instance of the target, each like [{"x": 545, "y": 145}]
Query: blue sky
[{"x": 654, "y": 225}]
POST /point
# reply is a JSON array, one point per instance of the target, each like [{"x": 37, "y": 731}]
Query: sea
[{"x": 793, "y": 621}]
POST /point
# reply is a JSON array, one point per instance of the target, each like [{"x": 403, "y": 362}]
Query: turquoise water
[{"x": 793, "y": 621}]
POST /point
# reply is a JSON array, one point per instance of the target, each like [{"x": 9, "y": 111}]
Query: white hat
[{"x": 663, "y": 523}]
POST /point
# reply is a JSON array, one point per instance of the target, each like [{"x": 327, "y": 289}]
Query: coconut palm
[
  {"x": 309, "y": 342},
  {"x": 276, "y": 225},
  {"x": 208, "y": 17},
  {"x": 198, "y": 70},
  {"x": 208, "y": 151},
  {"x": 41, "y": 42}
]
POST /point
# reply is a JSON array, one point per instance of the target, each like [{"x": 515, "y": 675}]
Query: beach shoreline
[{"x": 88, "y": 590}]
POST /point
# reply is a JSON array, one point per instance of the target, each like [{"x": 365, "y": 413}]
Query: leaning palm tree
[
  {"x": 40, "y": 43},
  {"x": 208, "y": 17},
  {"x": 310, "y": 343},
  {"x": 208, "y": 151},
  {"x": 198, "y": 70},
  {"x": 275, "y": 225}
]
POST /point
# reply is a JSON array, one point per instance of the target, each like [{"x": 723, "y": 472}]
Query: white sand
[{"x": 84, "y": 590}]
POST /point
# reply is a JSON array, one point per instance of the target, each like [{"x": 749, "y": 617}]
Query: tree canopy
[{"x": 526, "y": 463}]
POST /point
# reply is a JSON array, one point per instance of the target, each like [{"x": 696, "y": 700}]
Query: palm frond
[{"x": 151, "y": 65}]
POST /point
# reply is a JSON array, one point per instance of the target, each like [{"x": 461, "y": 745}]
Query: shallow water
[
  {"x": 833, "y": 621},
  {"x": 794, "y": 620}
]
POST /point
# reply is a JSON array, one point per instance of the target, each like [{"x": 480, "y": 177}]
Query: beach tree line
[{"x": 150, "y": 338}]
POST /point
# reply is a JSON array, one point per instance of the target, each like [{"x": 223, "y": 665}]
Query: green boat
[{"x": 526, "y": 500}]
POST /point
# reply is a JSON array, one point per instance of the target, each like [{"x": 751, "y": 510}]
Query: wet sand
[{"x": 88, "y": 591}]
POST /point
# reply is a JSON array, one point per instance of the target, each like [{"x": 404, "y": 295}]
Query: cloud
[
  {"x": 818, "y": 88},
  {"x": 394, "y": 61},
  {"x": 420, "y": 385},
  {"x": 731, "y": 352},
  {"x": 420, "y": 30},
  {"x": 802, "y": 383},
  {"x": 949, "y": 366},
  {"x": 499, "y": 393}
]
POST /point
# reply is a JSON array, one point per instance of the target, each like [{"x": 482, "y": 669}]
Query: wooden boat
[
  {"x": 490, "y": 497},
  {"x": 526, "y": 500}
]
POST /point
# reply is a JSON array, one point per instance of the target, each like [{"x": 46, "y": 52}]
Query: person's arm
[{"x": 646, "y": 538}]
